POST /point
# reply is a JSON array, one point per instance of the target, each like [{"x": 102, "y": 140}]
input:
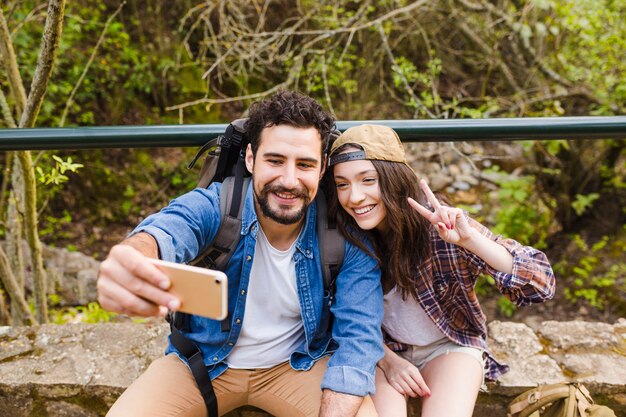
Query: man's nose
[{"x": 290, "y": 177}]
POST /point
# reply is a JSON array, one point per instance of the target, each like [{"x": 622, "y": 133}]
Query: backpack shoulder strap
[
  {"x": 331, "y": 244},
  {"x": 198, "y": 369},
  {"x": 219, "y": 165},
  {"x": 224, "y": 153},
  {"x": 219, "y": 252}
]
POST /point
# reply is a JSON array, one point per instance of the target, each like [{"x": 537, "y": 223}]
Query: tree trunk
[
  {"x": 40, "y": 291},
  {"x": 5, "y": 316},
  {"x": 9, "y": 282},
  {"x": 10, "y": 65},
  {"x": 14, "y": 236},
  {"x": 15, "y": 206},
  {"x": 50, "y": 42},
  {"x": 7, "y": 172},
  {"x": 47, "y": 54}
]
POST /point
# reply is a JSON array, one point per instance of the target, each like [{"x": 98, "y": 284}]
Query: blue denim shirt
[{"x": 189, "y": 223}]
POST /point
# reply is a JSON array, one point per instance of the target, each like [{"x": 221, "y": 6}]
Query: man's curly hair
[{"x": 289, "y": 108}]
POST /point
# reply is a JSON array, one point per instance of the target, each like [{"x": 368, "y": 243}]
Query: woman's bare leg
[
  {"x": 454, "y": 380},
  {"x": 388, "y": 401}
]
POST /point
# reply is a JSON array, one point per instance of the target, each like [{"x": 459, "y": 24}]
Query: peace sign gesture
[{"x": 450, "y": 222}]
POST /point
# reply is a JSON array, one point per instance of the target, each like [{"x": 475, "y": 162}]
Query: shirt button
[
  {"x": 238, "y": 321},
  {"x": 215, "y": 358},
  {"x": 248, "y": 258},
  {"x": 243, "y": 292},
  {"x": 231, "y": 344}
]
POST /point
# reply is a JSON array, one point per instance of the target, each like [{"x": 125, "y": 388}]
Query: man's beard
[{"x": 282, "y": 216}]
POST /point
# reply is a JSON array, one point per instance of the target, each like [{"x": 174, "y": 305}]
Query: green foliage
[
  {"x": 51, "y": 171},
  {"x": 486, "y": 287},
  {"x": 594, "y": 281},
  {"x": 122, "y": 186},
  {"x": 583, "y": 202},
  {"x": 126, "y": 83},
  {"x": 91, "y": 313},
  {"x": 328, "y": 70},
  {"x": 405, "y": 72},
  {"x": 520, "y": 214},
  {"x": 591, "y": 42},
  {"x": 56, "y": 226},
  {"x": 56, "y": 174},
  {"x": 506, "y": 307}
]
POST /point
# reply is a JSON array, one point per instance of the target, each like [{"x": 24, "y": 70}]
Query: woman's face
[{"x": 358, "y": 190}]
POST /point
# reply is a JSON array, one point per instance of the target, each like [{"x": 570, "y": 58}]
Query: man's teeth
[{"x": 281, "y": 195}]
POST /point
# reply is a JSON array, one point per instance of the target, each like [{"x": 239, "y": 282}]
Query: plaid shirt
[{"x": 445, "y": 289}]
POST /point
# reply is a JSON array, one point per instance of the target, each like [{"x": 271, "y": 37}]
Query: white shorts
[{"x": 421, "y": 355}]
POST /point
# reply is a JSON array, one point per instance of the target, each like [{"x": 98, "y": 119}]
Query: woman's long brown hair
[{"x": 405, "y": 246}]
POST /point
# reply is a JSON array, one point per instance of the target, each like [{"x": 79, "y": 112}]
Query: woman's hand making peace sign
[{"x": 450, "y": 222}]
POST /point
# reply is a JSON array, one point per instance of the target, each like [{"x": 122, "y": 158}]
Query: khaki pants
[{"x": 167, "y": 389}]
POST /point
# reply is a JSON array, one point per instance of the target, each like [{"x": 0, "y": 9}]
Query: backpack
[
  {"x": 565, "y": 399},
  {"x": 225, "y": 163}
]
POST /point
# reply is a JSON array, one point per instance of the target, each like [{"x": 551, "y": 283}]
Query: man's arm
[
  {"x": 336, "y": 404},
  {"x": 358, "y": 314},
  {"x": 144, "y": 243},
  {"x": 129, "y": 284}
]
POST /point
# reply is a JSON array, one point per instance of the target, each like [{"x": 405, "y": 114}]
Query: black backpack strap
[
  {"x": 232, "y": 196},
  {"x": 213, "y": 143},
  {"x": 217, "y": 255},
  {"x": 224, "y": 154},
  {"x": 331, "y": 244},
  {"x": 199, "y": 370}
]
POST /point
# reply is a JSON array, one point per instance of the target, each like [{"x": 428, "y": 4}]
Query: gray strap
[{"x": 331, "y": 244}]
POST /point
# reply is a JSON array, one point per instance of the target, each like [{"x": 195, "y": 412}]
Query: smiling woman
[
  {"x": 430, "y": 256},
  {"x": 359, "y": 194}
]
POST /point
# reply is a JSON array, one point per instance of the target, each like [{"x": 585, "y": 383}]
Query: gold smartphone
[{"x": 202, "y": 291}]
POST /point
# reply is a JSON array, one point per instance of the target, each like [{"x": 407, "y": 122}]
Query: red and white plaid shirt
[{"x": 445, "y": 289}]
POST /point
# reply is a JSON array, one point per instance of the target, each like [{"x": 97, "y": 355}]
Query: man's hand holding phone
[
  {"x": 129, "y": 283},
  {"x": 201, "y": 291}
]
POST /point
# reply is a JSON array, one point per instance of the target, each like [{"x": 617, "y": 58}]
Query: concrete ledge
[{"x": 80, "y": 369}]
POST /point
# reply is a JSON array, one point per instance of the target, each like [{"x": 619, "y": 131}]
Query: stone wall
[{"x": 80, "y": 369}]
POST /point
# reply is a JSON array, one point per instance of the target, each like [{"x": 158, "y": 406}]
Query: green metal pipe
[{"x": 453, "y": 130}]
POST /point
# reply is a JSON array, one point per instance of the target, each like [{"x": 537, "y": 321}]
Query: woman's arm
[
  {"x": 496, "y": 255},
  {"x": 403, "y": 375},
  {"x": 453, "y": 227},
  {"x": 522, "y": 273}
]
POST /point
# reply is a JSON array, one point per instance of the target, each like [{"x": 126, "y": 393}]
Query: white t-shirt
[
  {"x": 272, "y": 325},
  {"x": 407, "y": 322}
]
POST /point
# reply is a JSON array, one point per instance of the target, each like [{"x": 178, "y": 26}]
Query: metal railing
[{"x": 505, "y": 129}]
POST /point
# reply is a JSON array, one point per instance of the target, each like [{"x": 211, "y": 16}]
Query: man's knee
[{"x": 166, "y": 388}]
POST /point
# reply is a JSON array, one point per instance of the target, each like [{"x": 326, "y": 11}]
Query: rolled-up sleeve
[
  {"x": 186, "y": 225},
  {"x": 531, "y": 280},
  {"x": 358, "y": 313}
]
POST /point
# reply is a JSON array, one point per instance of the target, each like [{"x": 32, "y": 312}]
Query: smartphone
[{"x": 202, "y": 291}]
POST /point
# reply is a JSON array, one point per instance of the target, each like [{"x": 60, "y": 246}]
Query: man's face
[{"x": 286, "y": 171}]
